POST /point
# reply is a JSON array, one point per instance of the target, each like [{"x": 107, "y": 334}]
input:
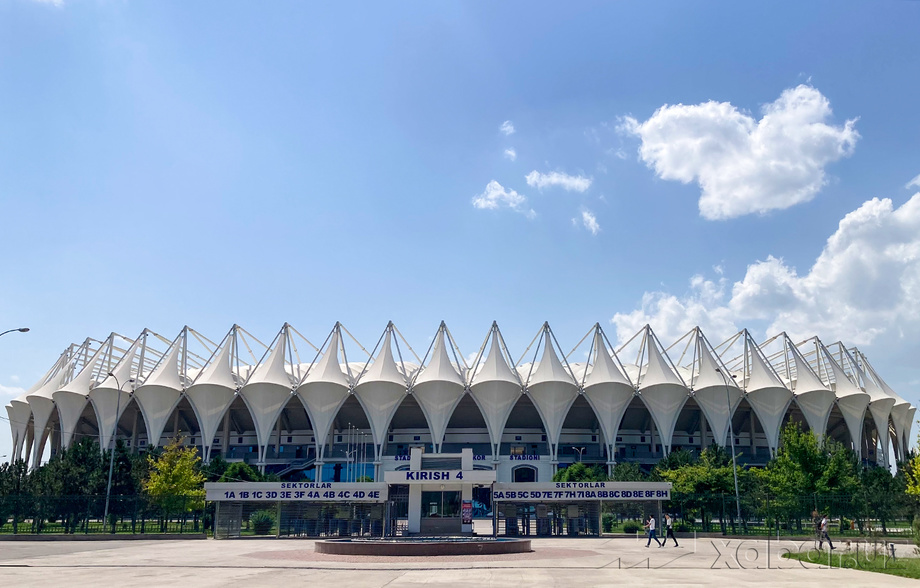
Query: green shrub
[
  {"x": 607, "y": 522},
  {"x": 262, "y": 522},
  {"x": 632, "y": 527}
]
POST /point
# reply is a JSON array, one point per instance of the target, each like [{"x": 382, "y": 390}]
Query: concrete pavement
[{"x": 573, "y": 563}]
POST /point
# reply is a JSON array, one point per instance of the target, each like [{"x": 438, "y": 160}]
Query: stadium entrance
[{"x": 569, "y": 508}]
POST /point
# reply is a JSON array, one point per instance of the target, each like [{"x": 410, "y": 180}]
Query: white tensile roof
[{"x": 211, "y": 377}]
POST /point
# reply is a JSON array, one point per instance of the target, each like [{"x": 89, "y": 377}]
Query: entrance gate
[
  {"x": 567, "y": 508},
  {"x": 300, "y": 509}
]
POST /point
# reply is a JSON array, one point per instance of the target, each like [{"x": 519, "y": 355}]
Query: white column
[
  {"x": 225, "y": 443},
  {"x": 415, "y": 508}
]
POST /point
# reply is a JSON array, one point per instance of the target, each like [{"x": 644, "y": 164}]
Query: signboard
[
  {"x": 296, "y": 491},
  {"x": 549, "y": 491},
  {"x": 466, "y": 512},
  {"x": 440, "y": 477}
]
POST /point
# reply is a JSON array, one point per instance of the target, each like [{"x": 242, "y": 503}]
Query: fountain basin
[{"x": 424, "y": 546}]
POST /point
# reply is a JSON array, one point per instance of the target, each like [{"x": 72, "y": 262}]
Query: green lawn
[{"x": 870, "y": 562}]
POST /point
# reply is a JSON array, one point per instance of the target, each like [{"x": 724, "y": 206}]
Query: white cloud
[
  {"x": 510, "y": 153},
  {"x": 862, "y": 287},
  {"x": 914, "y": 183},
  {"x": 507, "y": 128},
  {"x": 10, "y": 390},
  {"x": 565, "y": 181},
  {"x": 588, "y": 221},
  {"x": 743, "y": 165},
  {"x": 497, "y": 196}
]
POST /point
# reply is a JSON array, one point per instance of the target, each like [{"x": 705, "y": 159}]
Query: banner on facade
[
  {"x": 296, "y": 491},
  {"x": 549, "y": 491},
  {"x": 466, "y": 512},
  {"x": 440, "y": 477}
]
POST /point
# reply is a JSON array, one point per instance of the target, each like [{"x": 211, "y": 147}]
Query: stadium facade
[{"x": 336, "y": 412}]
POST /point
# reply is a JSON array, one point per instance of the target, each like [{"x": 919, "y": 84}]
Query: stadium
[{"x": 338, "y": 412}]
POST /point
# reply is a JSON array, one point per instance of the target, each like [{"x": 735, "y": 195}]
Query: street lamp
[
  {"x": 731, "y": 439},
  {"x": 20, "y": 330},
  {"x": 580, "y": 451},
  {"x": 108, "y": 488}
]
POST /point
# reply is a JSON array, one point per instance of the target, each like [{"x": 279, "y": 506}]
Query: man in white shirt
[{"x": 650, "y": 525}]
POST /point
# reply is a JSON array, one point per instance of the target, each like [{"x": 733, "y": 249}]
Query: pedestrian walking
[
  {"x": 650, "y": 525},
  {"x": 823, "y": 534},
  {"x": 669, "y": 529}
]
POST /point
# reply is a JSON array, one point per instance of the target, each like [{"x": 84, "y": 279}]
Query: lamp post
[
  {"x": 731, "y": 439},
  {"x": 108, "y": 488},
  {"x": 19, "y": 330},
  {"x": 580, "y": 450}
]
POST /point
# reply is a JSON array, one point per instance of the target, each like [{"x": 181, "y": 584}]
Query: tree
[
  {"x": 241, "y": 472},
  {"x": 628, "y": 472},
  {"x": 174, "y": 482},
  {"x": 578, "y": 472}
]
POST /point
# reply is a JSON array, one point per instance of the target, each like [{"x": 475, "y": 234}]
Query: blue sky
[{"x": 211, "y": 163}]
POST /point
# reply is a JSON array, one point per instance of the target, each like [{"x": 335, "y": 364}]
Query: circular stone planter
[{"x": 424, "y": 546}]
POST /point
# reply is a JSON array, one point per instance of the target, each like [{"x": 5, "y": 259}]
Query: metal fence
[
  {"x": 849, "y": 515},
  {"x": 85, "y": 515}
]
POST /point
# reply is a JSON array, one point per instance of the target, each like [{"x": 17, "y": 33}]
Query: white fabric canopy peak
[
  {"x": 160, "y": 393},
  {"x": 768, "y": 396},
  {"x": 714, "y": 390},
  {"x": 438, "y": 388},
  {"x": 661, "y": 389},
  {"x": 213, "y": 391},
  {"x": 381, "y": 389},
  {"x": 495, "y": 388},
  {"x": 851, "y": 399},
  {"x": 110, "y": 398},
  {"x": 813, "y": 397},
  {"x": 607, "y": 390},
  {"x": 324, "y": 390},
  {"x": 552, "y": 389},
  {"x": 268, "y": 389}
]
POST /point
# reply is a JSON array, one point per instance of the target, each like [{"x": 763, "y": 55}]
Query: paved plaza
[{"x": 572, "y": 563}]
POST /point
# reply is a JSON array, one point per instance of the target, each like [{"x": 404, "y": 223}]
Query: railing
[{"x": 26, "y": 514}]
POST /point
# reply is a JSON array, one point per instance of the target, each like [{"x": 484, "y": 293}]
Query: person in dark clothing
[{"x": 669, "y": 527}]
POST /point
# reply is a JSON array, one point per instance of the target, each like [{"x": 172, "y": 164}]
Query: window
[
  {"x": 737, "y": 441},
  {"x": 691, "y": 440},
  {"x": 216, "y": 441},
  {"x": 619, "y": 439},
  {"x": 193, "y": 441},
  {"x": 543, "y": 438},
  {"x": 142, "y": 442},
  {"x": 641, "y": 439},
  {"x": 240, "y": 440},
  {"x": 594, "y": 437},
  {"x": 517, "y": 437},
  {"x": 339, "y": 439},
  {"x": 391, "y": 438},
  {"x": 518, "y": 450},
  {"x": 416, "y": 438},
  {"x": 290, "y": 439}
]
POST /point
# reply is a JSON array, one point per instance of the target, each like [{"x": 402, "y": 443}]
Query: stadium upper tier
[{"x": 240, "y": 392}]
